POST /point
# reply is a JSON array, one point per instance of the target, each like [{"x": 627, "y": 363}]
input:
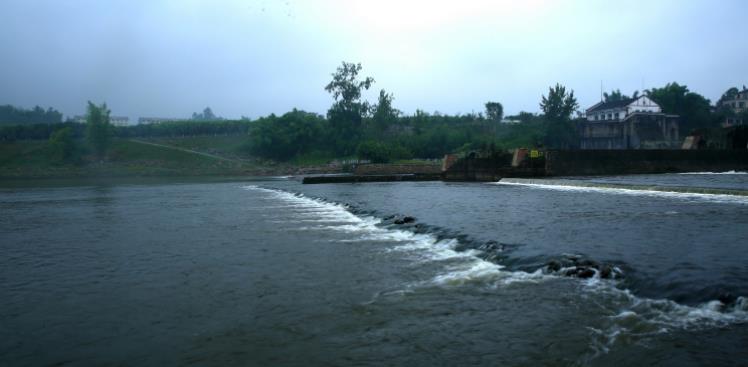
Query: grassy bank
[{"x": 195, "y": 156}]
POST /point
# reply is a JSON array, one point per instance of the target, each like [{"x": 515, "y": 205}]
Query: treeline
[
  {"x": 299, "y": 133},
  {"x": 164, "y": 129},
  {"x": 696, "y": 112},
  {"x": 184, "y": 128},
  {"x": 381, "y": 133},
  {"x": 37, "y": 115}
]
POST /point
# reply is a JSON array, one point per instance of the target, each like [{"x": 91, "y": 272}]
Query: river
[{"x": 272, "y": 272}]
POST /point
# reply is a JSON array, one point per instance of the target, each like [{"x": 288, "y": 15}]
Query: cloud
[{"x": 170, "y": 58}]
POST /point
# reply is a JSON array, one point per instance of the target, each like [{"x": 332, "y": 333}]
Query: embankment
[
  {"x": 597, "y": 163},
  {"x": 620, "y": 162},
  {"x": 398, "y": 169}
]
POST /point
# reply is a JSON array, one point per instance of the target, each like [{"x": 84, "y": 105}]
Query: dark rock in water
[
  {"x": 405, "y": 220},
  {"x": 585, "y": 273},
  {"x": 491, "y": 246},
  {"x": 727, "y": 298},
  {"x": 554, "y": 265},
  {"x": 588, "y": 263},
  {"x": 576, "y": 266},
  {"x": 606, "y": 272}
]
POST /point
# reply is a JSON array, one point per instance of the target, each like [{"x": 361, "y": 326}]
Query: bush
[
  {"x": 378, "y": 152},
  {"x": 61, "y": 146}
]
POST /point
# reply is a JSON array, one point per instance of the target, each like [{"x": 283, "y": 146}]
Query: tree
[
  {"x": 282, "y": 138},
  {"x": 206, "y": 115},
  {"x": 347, "y": 112},
  {"x": 559, "y": 105},
  {"x": 98, "y": 130},
  {"x": 614, "y": 96},
  {"x": 728, "y": 95},
  {"x": 693, "y": 109},
  {"x": 384, "y": 113},
  {"x": 11, "y": 115},
  {"x": 61, "y": 145},
  {"x": 494, "y": 111}
]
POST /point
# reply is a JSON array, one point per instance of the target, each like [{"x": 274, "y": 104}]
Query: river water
[{"x": 272, "y": 272}]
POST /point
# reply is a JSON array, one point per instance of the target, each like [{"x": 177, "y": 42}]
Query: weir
[
  {"x": 524, "y": 163},
  {"x": 661, "y": 188}
]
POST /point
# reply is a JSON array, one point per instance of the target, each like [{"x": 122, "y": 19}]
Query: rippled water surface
[{"x": 279, "y": 273}]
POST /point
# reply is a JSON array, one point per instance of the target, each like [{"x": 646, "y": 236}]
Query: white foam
[
  {"x": 721, "y": 198},
  {"x": 733, "y": 172},
  {"x": 642, "y": 317},
  {"x": 630, "y": 314},
  {"x": 475, "y": 271},
  {"x": 422, "y": 248}
]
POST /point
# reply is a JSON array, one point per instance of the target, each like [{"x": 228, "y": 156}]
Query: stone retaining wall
[{"x": 397, "y": 169}]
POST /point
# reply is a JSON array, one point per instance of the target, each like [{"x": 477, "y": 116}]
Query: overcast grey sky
[{"x": 252, "y": 58}]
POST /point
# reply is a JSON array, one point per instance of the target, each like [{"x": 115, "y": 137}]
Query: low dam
[
  {"x": 551, "y": 163},
  {"x": 619, "y": 186}
]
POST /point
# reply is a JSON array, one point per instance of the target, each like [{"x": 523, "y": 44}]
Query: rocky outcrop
[{"x": 577, "y": 267}]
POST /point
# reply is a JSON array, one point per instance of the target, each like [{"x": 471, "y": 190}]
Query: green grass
[
  {"x": 130, "y": 158},
  {"x": 229, "y": 146},
  {"x": 30, "y": 159}
]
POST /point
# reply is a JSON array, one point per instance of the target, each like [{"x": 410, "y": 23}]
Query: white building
[
  {"x": 620, "y": 110},
  {"x": 157, "y": 120},
  {"x": 633, "y": 123},
  {"x": 114, "y": 120},
  {"x": 738, "y": 105}
]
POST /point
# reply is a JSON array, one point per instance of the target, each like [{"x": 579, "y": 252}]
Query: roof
[{"x": 612, "y": 104}]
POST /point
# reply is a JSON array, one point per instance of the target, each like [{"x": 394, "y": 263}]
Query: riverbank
[{"x": 31, "y": 160}]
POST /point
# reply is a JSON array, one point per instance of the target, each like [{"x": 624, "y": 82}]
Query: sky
[{"x": 170, "y": 58}]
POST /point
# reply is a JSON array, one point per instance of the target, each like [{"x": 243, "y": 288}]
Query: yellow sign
[{"x": 534, "y": 154}]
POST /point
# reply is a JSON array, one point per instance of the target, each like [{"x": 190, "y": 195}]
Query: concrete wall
[
  {"x": 615, "y": 162},
  {"x": 638, "y": 131},
  {"x": 394, "y": 169}
]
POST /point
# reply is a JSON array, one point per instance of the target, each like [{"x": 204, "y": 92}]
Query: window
[{"x": 741, "y": 104}]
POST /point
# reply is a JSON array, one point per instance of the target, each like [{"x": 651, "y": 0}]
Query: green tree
[
  {"x": 694, "y": 110},
  {"x": 61, "y": 145},
  {"x": 384, "y": 114},
  {"x": 728, "y": 95},
  {"x": 494, "y": 111},
  {"x": 98, "y": 130},
  {"x": 285, "y": 137},
  {"x": 206, "y": 115},
  {"x": 348, "y": 110},
  {"x": 614, "y": 96},
  {"x": 374, "y": 151},
  {"x": 559, "y": 105}
]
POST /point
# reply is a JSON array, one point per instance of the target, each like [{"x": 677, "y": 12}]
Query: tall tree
[
  {"x": 346, "y": 113},
  {"x": 384, "y": 114},
  {"x": 559, "y": 105},
  {"x": 693, "y": 108},
  {"x": 494, "y": 111},
  {"x": 98, "y": 130}
]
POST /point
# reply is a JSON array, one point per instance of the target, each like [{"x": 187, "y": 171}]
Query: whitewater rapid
[{"x": 629, "y": 313}]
